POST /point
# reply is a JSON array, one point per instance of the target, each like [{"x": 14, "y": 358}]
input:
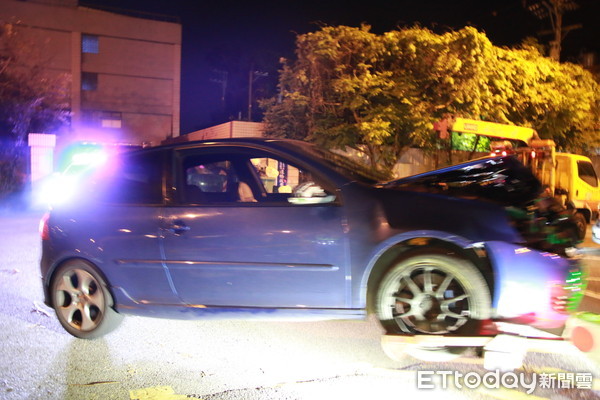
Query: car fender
[
  {"x": 411, "y": 238},
  {"x": 51, "y": 264}
]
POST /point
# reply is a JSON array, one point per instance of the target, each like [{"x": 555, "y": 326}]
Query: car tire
[
  {"x": 82, "y": 301},
  {"x": 432, "y": 293},
  {"x": 581, "y": 224}
]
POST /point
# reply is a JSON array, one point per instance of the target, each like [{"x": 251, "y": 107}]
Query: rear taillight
[{"x": 44, "y": 230}]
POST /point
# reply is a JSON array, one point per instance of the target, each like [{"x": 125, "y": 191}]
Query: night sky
[{"x": 235, "y": 37}]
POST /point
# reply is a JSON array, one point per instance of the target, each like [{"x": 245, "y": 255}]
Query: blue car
[{"x": 273, "y": 228}]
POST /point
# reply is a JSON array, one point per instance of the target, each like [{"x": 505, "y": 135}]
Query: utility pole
[
  {"x": 221, "y": 78},
  {"x": 553, "y": 10},
  {"x": 253, "y": 75}
]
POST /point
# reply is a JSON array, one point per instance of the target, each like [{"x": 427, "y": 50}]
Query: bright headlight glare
[
  {"x": 58, "y": 189},
  {"x": 92, "y": 158}
]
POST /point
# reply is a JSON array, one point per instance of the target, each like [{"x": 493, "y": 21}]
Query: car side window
[
  {"x": 132, "y": 179},
  {"x": 239, "y": 176},
  {"x": 210, "y": 180},
  {"x": 210, "y": 177},
  {"x": 278, "y": 178}
]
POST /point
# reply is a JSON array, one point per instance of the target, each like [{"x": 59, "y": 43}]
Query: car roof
[
  {"x": 233, "y": 141},
  {"x": 295, "y": 148},
  {"x": 302, "y": 151}
]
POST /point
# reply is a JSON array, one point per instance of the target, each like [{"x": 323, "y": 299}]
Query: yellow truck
[{"x": 570, "y": 178}]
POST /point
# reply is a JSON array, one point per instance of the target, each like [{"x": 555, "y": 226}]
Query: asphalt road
[{"x": 164, "y": 359}]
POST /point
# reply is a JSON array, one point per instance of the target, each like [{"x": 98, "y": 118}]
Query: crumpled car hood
[
  {"x": 542, "y": 222},
  {"x": 503, "y": 180}
]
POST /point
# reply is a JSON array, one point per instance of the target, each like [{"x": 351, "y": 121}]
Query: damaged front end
[
  {"x": 541, "y": 221},
  {"x": 539, "y": 262}
]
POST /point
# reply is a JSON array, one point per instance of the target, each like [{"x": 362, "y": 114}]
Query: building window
[
  {"x": 104, "y": 119},
  {"x": 89, "y": 81},
  {"x": 110, "y": 119},
  {"x": 89, "y": 44}
]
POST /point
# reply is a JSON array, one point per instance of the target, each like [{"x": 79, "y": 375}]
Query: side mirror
[
  {"x": 312, "y": 200},
  {"x": 310, "y": 193}
]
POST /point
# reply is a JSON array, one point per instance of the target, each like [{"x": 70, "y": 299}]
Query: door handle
[{"x": 178, "y": 227}]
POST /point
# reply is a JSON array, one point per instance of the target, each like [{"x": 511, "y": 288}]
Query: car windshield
[{"x": 344, "y": 165}]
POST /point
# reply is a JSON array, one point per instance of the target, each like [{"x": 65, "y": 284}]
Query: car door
[
  {"x": 124, "y": 227},
  {"x": 235, "y": 240}
]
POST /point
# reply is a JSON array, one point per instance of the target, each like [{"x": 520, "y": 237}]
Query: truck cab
[{"x": 576, "y": 183}]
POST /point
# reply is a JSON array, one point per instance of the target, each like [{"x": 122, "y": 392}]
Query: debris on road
[
  {"x": 40, "y": 309},
  {"x": 93, "y": 383},
  {"x": 13, "y": 271}
]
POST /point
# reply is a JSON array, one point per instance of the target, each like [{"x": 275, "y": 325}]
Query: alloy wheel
[{"x": 79, "y": 299}]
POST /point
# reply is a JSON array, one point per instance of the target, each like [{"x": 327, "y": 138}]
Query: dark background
[{"x": 238, "y": 37}]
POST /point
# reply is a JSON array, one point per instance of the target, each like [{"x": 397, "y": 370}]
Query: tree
[
  {"x": 340, "y": 94},
  {"x": 560, "y": 101},
  {"x": 553, "y": 10},
  {"x": 448, "y": 72},
  {"x": 380, "y": 94},
  {"x": 31, "y": 100}
]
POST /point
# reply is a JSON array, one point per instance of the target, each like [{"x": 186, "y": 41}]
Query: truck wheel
[
  {"x": 432, "y": 294},
  {"x": 581, "y": 223}
]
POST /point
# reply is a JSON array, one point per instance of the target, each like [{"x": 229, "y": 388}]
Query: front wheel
[
  {"x": 82, "y": 302},
  {"x": 431, "y": 294}
]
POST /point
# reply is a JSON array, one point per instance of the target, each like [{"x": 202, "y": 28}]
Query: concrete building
[
  {"x": 124, "y": 70},
  {"x": 231, "y": 129}
]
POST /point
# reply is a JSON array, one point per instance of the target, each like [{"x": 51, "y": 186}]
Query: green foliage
[
  {"x": 560, "y": 101},
  {"x": 470, "y": 142},
  {"x": 380, "y": 94}
]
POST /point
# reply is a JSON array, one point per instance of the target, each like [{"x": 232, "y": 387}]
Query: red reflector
[
  {"x": 43, "y": 228},
  {"x": 488, "y": 328},
  {"x": 582, "y": 339}
]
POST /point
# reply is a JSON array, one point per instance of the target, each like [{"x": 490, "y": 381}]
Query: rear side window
[
  {"x": 586, "y": 173},
  {"x": 133, "y": 179}
]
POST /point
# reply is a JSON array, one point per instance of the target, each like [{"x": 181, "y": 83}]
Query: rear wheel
[
  {"x": 82, "y": 301},
  {"x": 434, "y": 294}
]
